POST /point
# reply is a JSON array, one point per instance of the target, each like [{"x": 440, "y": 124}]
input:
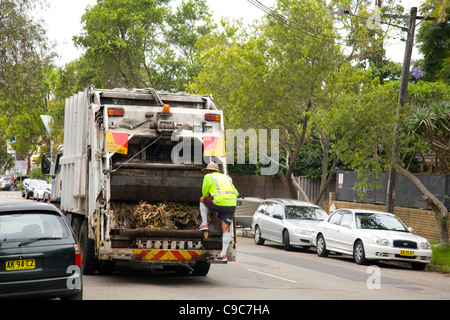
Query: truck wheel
[
  {"x": 87, "y": 250},
  {"x": 106, "y": 267},
  {"x": 201, "y": 268}
]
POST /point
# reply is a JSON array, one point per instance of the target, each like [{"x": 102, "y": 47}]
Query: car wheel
[
  {"x": 286, "y": 241},
  {"x": 418, "y": 265},
  {"x": 258, "y": 239},
  {"x": 321, "y": 249},
  {"x": 77, "y": 296},
  {"x": 358, "y": 253}
]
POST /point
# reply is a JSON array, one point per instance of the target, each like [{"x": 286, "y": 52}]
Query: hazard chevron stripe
[{"x": 167, "y": 255}]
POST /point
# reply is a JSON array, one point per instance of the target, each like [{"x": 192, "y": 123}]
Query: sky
[{"x": 63, "y": 21}]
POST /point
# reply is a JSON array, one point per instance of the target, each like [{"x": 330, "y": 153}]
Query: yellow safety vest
[{"x": 220, "y": 187}]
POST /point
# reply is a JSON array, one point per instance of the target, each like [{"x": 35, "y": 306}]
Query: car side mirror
[
  {"x": 278, "y": 216},
  {"x": 46, "y": 163}
]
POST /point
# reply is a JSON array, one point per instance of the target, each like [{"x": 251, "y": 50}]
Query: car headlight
[
  {"x": 304, "y": 232},
  {"x": 380, "y": 241},
  {"x": 425, "y": 245}
]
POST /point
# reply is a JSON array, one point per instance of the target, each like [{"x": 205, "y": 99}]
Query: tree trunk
[{"x": 439, "y": 209}]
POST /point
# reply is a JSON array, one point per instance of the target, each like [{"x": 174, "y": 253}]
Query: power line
[
  {"x": 293, "y": 24},
  {"x": 305, "y": 30}
]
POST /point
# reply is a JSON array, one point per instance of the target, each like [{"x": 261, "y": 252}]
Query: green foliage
[
  {"x": 441, "y": 258},
  {"x": 37, "y": 174},
  {"x": 431, "y": 123},
  {"x": 141, "y": 43},
  {"x": 24, "y": 61},
  {"x": 434, "y": 40}
]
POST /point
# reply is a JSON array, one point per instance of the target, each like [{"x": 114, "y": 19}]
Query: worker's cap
[{"x": 211, "y": 167}]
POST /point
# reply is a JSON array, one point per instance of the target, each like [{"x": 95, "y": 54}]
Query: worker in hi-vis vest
[{"x": 219, "y": 195}]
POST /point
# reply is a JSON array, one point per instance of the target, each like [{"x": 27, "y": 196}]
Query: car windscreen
[
  {"x": 309, "y": 213},
  {"x": 365, "y": 220},
  {"x": 25, "y": 226},
  {"x": 35, "y": 182}
]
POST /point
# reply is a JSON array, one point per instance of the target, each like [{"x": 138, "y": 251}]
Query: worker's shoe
[
  {"x": 203, "y": 227},
  {"x": 220, "y": 258}
]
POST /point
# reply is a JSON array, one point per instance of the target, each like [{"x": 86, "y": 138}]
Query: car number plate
[
  {"x": 407, "y": 253},
  {"x": 23, "y": 264}
]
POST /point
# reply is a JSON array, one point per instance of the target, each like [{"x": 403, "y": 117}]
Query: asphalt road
[{"x": 268, "y": 273}]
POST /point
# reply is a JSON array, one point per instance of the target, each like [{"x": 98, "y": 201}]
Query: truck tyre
[
  {"x": 201, "y": 268},
  {"x": 106, "y": 267},
  {"x": 87, "y": 250}
]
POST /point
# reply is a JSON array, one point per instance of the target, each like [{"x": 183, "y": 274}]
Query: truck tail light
[
  {"x": 78, "y": 255},
  {"x": 113, "y": 112},
  {"x": 212, "y": 117}
]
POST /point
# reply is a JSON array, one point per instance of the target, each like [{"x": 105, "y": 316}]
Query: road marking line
[{"x": 271, "y": 275}]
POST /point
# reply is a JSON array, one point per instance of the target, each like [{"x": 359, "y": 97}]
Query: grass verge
[{"x": 441, "y": 259}]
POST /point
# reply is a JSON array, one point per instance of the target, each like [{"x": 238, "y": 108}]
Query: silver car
[{"x": 286, "y": 221}]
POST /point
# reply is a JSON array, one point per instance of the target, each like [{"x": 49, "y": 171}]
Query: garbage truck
[{"x": 126, "y": 150}]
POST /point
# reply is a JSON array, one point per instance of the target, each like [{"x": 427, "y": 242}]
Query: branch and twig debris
[{"x": 157, "y": 216}]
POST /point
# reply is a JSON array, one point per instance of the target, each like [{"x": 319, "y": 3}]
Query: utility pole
[{"x": 392, "y": 181}]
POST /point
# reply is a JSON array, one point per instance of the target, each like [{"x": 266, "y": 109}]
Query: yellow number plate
[
  {"x": 407, "y": 253},
  {"x": 23, "y": 264}
]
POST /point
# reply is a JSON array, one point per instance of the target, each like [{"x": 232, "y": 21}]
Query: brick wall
[{"x": 422, "y": 221}]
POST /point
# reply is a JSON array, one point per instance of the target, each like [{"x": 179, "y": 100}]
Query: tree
[
  {"x": 282, "y": 74},
  {"x": 370, "y": 122},
  {"x": 340, "y": 83},
  {"x": 365, "y": 34},
  {"x": 24, "y": 59},
  {"x": 140, "y": 43},
  {"x": 431, "y": 124},
  {"x": 434, "y": 40}
]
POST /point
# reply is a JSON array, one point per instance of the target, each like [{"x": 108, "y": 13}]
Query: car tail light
[
  {"x": 114, "y": 112},
  {"x": 212, "y": 117},
  {"x": 78, "y": 256}
]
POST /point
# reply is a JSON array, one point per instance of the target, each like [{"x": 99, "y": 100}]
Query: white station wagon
[
  {"x": 370, "y": 235},
  {"x": 286, "y": 221}
]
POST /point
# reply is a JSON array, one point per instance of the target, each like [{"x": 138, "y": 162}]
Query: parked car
[
  {"x": 371, "y": 235},
  {"x": 47, "y": 195},
  {"x": 32, "y": 183},
  {"x": 38, "y": 193},
  {"x": 24, "y": 187},
  {"x": 6, "y": 182},
  {"x": 286, "y": 221},
  {"x": 39, "y": 256}
]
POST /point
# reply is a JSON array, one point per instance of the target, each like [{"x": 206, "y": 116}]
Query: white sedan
[
  {"x": 371, "y": 235},
  {"x": 38, "y": 192},
  {"x": 286, "y": 221}
]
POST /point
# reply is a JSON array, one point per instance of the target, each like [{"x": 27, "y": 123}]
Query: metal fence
[
  {"x": 272, "y": 187},
  {"x": 406, "y": 194}
]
